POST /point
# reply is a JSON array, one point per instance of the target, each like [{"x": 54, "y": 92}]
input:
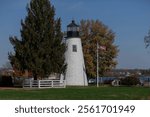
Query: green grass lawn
[{"x": 78, "y": 93}]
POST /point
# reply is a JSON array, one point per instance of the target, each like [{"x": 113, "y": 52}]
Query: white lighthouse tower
[{"x": 75, "y": 72}]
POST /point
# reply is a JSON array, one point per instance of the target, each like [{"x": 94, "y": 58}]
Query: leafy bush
[
  {"x": 130, "y": 80},
  {"x": 108, "y": 81},
  {"x": 6, "y": 81}
]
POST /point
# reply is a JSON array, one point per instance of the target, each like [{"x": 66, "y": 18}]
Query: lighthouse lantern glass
[{"x": 73, "y": 30}]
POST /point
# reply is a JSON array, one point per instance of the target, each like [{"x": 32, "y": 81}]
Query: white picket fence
[{"x": 44, "y": 84}]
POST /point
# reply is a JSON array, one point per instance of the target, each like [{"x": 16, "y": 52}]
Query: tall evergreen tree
[
  {"x": 40, "y": 49},
  {"x": 93, "y": 32}
]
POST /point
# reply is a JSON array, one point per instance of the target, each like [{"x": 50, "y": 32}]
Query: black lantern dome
[{"x": 73, "y": 29}]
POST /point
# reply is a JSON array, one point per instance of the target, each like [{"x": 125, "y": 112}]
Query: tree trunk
[{"x": 35, "y": 76}]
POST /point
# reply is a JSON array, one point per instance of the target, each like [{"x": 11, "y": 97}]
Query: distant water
[
  {"x": 103, "y": 79},
  {"x": 145, "y": 78},
  {"x": 142, "y": 79}
]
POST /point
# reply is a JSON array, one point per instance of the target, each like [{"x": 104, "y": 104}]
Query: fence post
[
  {"x": 64, "y": 83},
  {"x": 30, "y": 84},
  {"x": 23, "y": 83},
  {"x": 39, "y": 82},
  {"x": 52, "y": 83}
]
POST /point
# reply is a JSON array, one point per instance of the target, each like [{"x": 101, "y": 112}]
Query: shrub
[
  {"x": 108, "y": 81},
  {"x": 130, "y": 80},
  {"x": 6, "y": 81}
]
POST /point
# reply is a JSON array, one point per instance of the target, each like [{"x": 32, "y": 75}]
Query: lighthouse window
[{"x": 74, "y": 48}]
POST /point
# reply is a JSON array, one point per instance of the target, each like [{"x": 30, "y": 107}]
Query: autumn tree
[
  {"x": 40, "y": 49},
  {"x": 93, "y": 33}
]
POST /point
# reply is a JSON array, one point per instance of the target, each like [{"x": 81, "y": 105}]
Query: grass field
[{"x": 77, "y": 93}]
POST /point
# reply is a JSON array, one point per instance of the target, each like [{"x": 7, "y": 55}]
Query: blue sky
[{"x": 129, "y": 19}]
